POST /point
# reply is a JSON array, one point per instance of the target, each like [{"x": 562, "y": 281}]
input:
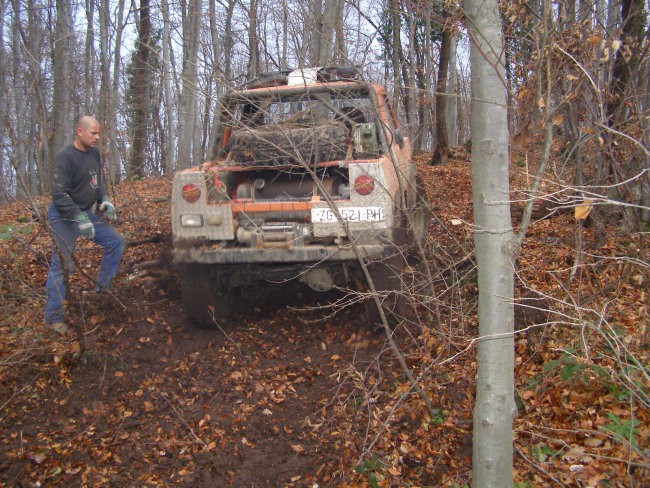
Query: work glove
[
  {"x": 108, "y": 209},
  {"x": 86, "y": 227}
]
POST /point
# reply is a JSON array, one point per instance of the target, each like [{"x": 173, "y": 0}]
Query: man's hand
[
  {"x": 108, "y": 209},
  {"x": 86, "y": 227}
]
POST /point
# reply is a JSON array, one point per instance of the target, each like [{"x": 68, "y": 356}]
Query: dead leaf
[
  {"x": 574, "y": 454},
  {"x": 558, "y": 119},
  {"x": 583, "y": 210},
  {"x": 297, "y": 448},
  {"x": 148, "y": 406},
  {"x": 38, "y": 458},
  {"x": 594, "y": 40}
]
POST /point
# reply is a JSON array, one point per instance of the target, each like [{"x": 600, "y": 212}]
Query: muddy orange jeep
[{"x": 310, "y": 177}]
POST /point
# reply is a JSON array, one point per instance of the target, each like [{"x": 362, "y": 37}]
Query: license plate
[{"x": 349, "y": 214}]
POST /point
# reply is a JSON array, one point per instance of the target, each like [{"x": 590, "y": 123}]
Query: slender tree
[
  {"x": 188, "y": 105},
  {"x": 169, "y": 154},
  {"x": 90, "y": 103},
  {"x": 253, "y": 42},
  {"x": 62, "y": 117},
  {"x": 451, "y": 114},
  {"x": 495, "y": 407},
  {"x": 442, "y": 141},
  {"x": 140, "y": 93}
]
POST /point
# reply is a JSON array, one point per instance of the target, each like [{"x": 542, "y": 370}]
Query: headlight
[
  {"x": 191, "y": 193},
  {"x": 364, "y": 185},
  {"x": 192, "y": 220}
]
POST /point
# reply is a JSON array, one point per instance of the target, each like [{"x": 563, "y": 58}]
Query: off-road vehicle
[{"x": 310, "y": 175}]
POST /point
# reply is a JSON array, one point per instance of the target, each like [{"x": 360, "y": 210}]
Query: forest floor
[{"x": 288, "y": 394}]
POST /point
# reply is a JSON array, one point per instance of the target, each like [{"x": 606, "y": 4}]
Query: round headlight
[
  {"x": 191, "y": 193},
  {"x": 364, "y": 185}
]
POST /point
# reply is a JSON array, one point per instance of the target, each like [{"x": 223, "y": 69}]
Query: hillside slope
[{"x": 292, "y": 394}]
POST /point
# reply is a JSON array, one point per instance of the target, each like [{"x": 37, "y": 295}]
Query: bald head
[
  {"x": 86, "y": 122},
  {"x": 86, "y": 133}
]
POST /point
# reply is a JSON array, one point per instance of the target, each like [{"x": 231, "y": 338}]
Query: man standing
[{"x": 77, "y": 194}]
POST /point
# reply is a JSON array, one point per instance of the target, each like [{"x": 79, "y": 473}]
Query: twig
[
  {"x": 183, "y": 421},
  {"x": 538, "y": 468}
]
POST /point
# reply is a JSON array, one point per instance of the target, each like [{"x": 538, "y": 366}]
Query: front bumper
[{"x": 234, "y": 255}]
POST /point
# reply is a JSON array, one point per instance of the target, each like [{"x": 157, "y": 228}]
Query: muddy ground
[{"x": 149, "y": 399}]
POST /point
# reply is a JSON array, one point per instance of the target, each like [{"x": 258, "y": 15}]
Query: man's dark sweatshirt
[{"x": 76, "y": 184}]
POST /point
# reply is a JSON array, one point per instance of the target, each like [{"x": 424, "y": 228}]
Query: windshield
[{"x": 305, "y": 108}]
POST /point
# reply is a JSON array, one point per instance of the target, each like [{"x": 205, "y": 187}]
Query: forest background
[{"x": 152, "y": 75}]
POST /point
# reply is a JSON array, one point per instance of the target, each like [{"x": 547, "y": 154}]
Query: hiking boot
[{"x": 60, "y": 328}]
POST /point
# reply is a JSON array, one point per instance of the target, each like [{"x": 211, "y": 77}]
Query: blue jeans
[{"x": 64, "y": 234}]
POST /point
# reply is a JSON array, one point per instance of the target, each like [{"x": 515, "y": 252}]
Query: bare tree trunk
[
  {"x": 452, "y": 99},
  {"x": 645, "y": 123},
  {"x": 340, "y": 51},
  {"x": 4, "y": 100},
  {"x": 396, "y": 45},
  {"x": 105, "y": 87},
  {"x": 625, "y": 67},
  {"x": 228, "y": 42},
  {"x": 495, "y": 407},
  {"x": 187, "y": 112},
  {"x": 61, "y": 130},
  {"x": 327, "y": 34},
  {"x": 170, "y": 156},
  {"x": 440, "y": 152},
  {"x": 104, "y": 65},
  {"x": 33, "y": 43},
  {"x": 140, "y": 93},
  {"x": 111, "y": 119},
  {"x": 17, "y": 132},
  {"x": 428, "y": 128},
  {"x": 253, "y": 42},
  {"x": 89, "y": 60},
  {"x": 313, "y": 33},
  {"x": 413, "y": 126},
  {"x": 285, "y": 34}
]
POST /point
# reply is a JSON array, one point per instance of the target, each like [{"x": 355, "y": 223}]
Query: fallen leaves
[{"x": 151, "y": 395}]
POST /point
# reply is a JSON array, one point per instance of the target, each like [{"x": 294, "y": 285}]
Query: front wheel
[{"x": 206, "y": 294}]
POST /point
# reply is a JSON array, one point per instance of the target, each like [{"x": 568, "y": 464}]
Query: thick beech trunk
[{"x": 495, "y": 407}]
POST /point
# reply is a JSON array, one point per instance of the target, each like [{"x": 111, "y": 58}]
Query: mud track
[{"x": 152, "y": 401}]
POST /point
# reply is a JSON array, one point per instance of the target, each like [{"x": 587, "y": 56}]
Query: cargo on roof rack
[{"x": 304, "y": 76}]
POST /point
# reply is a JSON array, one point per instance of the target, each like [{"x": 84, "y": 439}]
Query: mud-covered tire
[
  {"x": 206, "y": 295},
  {"x": 387, "y": 276}
]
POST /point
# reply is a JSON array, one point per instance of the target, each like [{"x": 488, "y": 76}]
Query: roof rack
[{"x": 305, "y": 76}]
